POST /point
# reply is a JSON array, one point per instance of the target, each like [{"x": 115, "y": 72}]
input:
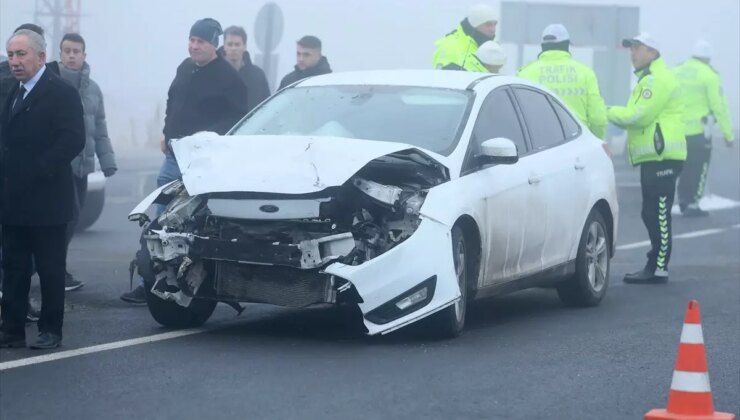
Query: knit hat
[
  {"x": 208, "y": 30},
  {"x": 702, "y": 49},
  {"x": 492, "y": 54},
  {"x": 480, "y": 14}
]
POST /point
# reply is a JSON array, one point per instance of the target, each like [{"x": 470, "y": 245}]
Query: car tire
[
  {"x": 450, "y": 322},
  {"x": 588, "y": 286},
  {"x": 91, "y": 211},
  {"x": 169, "y": 314}
]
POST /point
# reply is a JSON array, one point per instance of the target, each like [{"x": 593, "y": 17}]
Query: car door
[
  {"x": 579, "y": 151},
  {"x": 554, "y": 167},
  {"x": 508, "y": 205}
]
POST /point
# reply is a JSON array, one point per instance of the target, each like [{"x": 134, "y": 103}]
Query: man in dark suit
[
  {"x": 42, "y": 131},
  {"x": 7, "y": 83}
]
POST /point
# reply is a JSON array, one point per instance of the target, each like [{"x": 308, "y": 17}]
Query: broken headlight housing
[{"x": 180, "y": 211}]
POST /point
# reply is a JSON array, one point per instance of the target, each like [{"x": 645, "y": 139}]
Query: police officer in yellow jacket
[
  {"x": 572, "y": 81},
  {"x": 653, "y": 119},
  {"x": 459, "y": 46},
  {"x": 701, "y": 88},
  {"x": 489, "y": 58}
]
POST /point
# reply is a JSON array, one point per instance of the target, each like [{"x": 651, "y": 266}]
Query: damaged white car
[{"x": 406, "y": 193}]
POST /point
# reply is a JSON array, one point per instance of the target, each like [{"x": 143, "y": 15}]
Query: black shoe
[
  {"x": 9, "y": 341},
  {"x": 695, "y": 212},
  {"x": 137, "y": 296},
  {"x": 46, "y": 341},
  {"x": 33, "y": 314},
  {"x": 647, "y": 276},
  {"x": 71, "y": 284}
]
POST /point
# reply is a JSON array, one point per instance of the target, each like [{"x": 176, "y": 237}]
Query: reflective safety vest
[
  {"x": 701, "y": 88},
  {"x": 574, "y": 83},
  {"x": 653, "y": 117},
  {"x": 456, "y": 48},
  {"x": 472, "y": 64}
]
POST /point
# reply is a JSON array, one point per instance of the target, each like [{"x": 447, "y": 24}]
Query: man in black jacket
[
  {"x": 235, "y": 52},
  {"x": 206, "y": 95},
  {"x": 7, "y": 83},
  {"x": 42, "y": 131},
  {"x": 309, "y": 61}
]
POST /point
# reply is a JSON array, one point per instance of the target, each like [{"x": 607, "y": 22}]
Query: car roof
[{"x": 446, "y": 79}]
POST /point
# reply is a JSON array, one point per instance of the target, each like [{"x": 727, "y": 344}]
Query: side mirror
[{"x": 498, "y": 151}]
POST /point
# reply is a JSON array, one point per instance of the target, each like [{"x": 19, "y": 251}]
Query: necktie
[{"x": 19, "y": 99}]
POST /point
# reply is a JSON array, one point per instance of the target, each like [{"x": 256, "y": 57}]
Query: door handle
[{"x": 534, "y": 179}]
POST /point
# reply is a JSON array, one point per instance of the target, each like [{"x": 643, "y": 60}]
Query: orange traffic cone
[{"x": 690, "y": 397}]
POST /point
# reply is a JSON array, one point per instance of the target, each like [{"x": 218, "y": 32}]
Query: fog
[{"x": 134, "y": 46}]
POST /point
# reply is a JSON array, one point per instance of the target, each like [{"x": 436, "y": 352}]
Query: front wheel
[
  {"x": 449, "y": 322},
  {"x": 171, "y": 315},
  {"x": 588, "y": 286},
  {"x": 168, "y": 313}
]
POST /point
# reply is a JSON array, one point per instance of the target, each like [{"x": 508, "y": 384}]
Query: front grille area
[
  {"x": 246, "y": 250},
  {"x": 282, "y": 286}
]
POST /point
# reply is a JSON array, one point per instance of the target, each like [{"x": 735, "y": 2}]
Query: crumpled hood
[{"x": 274, "y": 164}]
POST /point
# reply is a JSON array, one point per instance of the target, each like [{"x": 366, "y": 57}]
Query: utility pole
[{"x": 57, "y": 17}]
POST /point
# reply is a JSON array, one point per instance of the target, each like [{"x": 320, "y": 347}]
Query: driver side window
[{"x": 498, "y": 118}]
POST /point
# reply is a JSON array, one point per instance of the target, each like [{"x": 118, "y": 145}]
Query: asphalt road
[{"x": 523, "y": 356}]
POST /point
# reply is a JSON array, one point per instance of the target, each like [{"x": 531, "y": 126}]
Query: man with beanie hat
[
  {"x": 574, "y": 82},
  {"x": 489, "y": 58},
  {"x": 460, "y": 45},
  {"x": 705, "y": 104},
  {"x": 206, "y": 95},
  {"x": 653, "y": 118}
]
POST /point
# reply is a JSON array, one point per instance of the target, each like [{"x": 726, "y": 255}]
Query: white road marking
[
  {"x": 99, "y": 348},
  {"x": 629, "y": 185},
  {"x": 633, "y": 246},
  {"x": 689, "y": 235}
]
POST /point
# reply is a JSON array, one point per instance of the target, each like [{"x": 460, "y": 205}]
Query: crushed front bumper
[
  {"x": 390, "y": 277},
  {"x": 422, "y": 266}
]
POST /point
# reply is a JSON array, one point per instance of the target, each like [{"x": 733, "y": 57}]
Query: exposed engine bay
[{"x": 271, "y": 248}]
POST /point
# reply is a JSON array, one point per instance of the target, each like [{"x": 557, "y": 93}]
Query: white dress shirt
[{"x": 29, "y": 85}]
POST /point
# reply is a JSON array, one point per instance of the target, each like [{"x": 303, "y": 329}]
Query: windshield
[{"x": 425, "y": 117}]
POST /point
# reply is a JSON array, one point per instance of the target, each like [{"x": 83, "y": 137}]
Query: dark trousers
[
  {"x": 46, "y": 246},
  {"x": 658, "y": 180},
  {"x": 694, "y": 175},
  {"x": 80, "y": 187}
]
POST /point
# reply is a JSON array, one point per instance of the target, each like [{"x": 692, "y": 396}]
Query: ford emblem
[{"x": 269, "y": 208}]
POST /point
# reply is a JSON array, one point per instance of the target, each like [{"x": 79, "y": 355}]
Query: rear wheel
[
  {"x": 166, "y": 312},
  {"x": 91, "y": 211},
  {"x": 588, "y": 286},
  {"x": 450, "y": 322}
]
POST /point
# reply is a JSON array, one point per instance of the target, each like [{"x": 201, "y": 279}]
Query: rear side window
[
  {"x": 498, "y": 118},
  {"x": 543, "y": 124},
  {"x": 570, "y": 126}
]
